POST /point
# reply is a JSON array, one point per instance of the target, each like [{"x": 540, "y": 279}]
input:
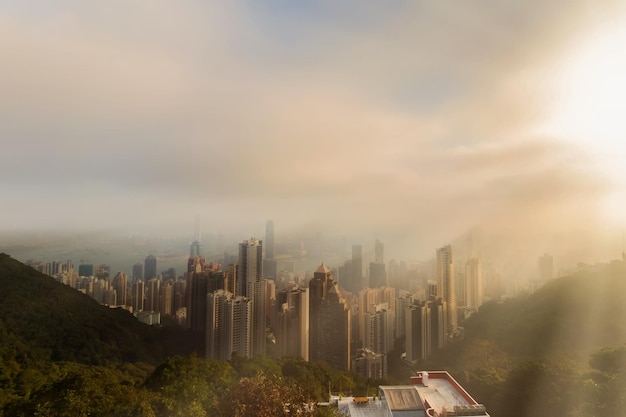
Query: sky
[{"x": 412, "y": 121}]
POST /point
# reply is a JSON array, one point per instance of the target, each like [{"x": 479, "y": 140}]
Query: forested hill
[
  {"x": 42, "y": 320},
  {"x": 576, "y": 314},
  {"x": 562, "y": 347}
]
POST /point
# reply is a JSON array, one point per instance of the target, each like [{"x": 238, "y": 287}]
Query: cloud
[{"x": 412, "y": 118}]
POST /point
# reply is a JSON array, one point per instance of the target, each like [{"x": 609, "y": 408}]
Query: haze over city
[{"x": 409, "y": 122}]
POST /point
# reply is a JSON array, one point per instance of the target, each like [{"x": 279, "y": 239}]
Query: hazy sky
[{"x": 412, "y": 119}]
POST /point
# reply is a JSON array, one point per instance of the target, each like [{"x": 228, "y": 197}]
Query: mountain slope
[{"x": 43, "y": 320}]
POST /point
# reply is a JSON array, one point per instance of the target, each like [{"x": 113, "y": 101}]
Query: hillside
[
  {"x": 42, "y": 320},
  {"x": 548, "y": 350}
]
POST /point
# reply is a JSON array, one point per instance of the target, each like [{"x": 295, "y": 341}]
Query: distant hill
[
  {"x": 42, "y": 320},
  {"x": 577, "y": 314}
]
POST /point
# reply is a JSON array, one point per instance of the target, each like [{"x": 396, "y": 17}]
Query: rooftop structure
[{"x": 431, "y": 394}]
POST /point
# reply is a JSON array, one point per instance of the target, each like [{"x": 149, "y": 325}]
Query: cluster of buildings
[{"x": 245, "y": 306}]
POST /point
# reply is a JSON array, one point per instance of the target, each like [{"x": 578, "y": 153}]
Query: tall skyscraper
[
  {"x": 138, "y": 296},
  {"x": 445, "y": 284},
  {"x": 269, "y": 240},
  {"x": 329, "y": 321},
  {"x": 194, "y": 250},
  {"x": 379, "y": 252},
  {"x": 137, "y": 271},
  {"x": 418, "y": 332},
  {"x": 474, "y": 283},
  {"x": 269, "y": 263},
  {"x": 291, "y": 324},
  {"x": 250, "y": 284},
  {"x": 356, "y": 269},
  {"x": 120, "y": 285},
  {"x": 153, "y": 292},
  {"x": 150, "y": 267}
]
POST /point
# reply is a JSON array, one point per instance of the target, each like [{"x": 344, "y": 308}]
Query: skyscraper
[
  {"x": 445, "y": 284},
  {"x": 356, "y": 269},
  {"x": 473, "y": 283},
  {"x": 418, "y": 332},
  {"x": 292, "y": 323},
  {"x": 138, "y": 296},
  {"x": 137, "y": 271},
  {"x": 269, "y": 263},
  {"x": 150, "y": 267},
  {"x": 120, "y": 285},
  {"x": 194, "y": 250},
  {"x": 329, "y": 321},
  {"x": 250, "y": 284},
  {"x": 228, "y": 326}
]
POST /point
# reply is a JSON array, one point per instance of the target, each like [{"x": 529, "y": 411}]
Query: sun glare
[{"x": 591, "y": 108}]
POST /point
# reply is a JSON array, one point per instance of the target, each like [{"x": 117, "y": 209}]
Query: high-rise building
[
  {"x": 445, "y": 284},
  {"x": 438, "y": 325},
  {"x": 329, "y": 321},
  {"x": 153, "y": 292},
  {"x": 120, "y": 285},
  {"x": 379, "y": 252},
  {"x": 194, "y": 250},
  {"x": 379, "y": 329},
  {"x": 138, "y": 295},
  {"x": 291, "y": 324},
  {"x": 378, "y": 276},
  {"x": 85, "y": 270},
  {"x": 137, "y": 271},
  {"x": 166, "y": 299},
  {"x": 269, "y": 262},
  {"x": 356, "y": 269},
  {"x": 250, "y": 284},
  {"x": 228, "y": 326},
  {"x": 418, "y": 332},
  {"x": 473, "y": 283},
  {"x": 150, "y": 267},
  {"x": 402, "y": 303}
]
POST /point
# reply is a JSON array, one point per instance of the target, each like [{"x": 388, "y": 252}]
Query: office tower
[
  {"x": 269, "y": 240},
  {"x": 473, "y": 283},
  {"x": 179, "y": 296},
  {"x": 194, "y": 250},
  {"x": 199, "y": 284},
  {"x": 137, "y": 271},
  {"x": 153, "y": 287},
  {"x": 250, "y": 284},
  {"x": 150, "y": 267},
  {"x": 120, "y": 285},
  {"x": 356, "y": 269},
  {"x": 402, "y": 303},
  {"x": 329, "y": 321},
  {"x": 269, "y": 262},
  {"x": 138, "y": 295},
  {"x": 379, "y": 252},
  {"x": 445, "y": 284},
  {"x": 438, "y": 325},
  {"x": 85, "y": 270},
  {"x": 378, "y": 276},
  {"x": 166, "y": 299},
  {"x": 546, "y": 267},
  {"x": 418, "y": 332},
  {"x": 291, "y": 323}
]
